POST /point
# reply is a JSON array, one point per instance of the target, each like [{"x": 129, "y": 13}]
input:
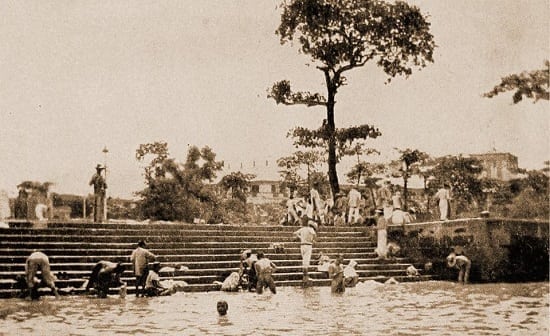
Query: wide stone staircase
[{"x": 208, "y": 252}]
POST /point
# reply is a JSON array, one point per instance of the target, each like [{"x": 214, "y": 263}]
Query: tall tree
[
  {"x": 343, "y": 35},
  {"x": 409, "y": 159},
  {"x": 533, "y": 85}
]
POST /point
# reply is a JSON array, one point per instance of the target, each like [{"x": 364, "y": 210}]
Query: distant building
[
  {"x": 499, "y": 166},
  {"x": 266, "y": 186}
]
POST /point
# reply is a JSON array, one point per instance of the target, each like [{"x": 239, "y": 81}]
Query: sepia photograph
[{"x": 275, "y": 167}]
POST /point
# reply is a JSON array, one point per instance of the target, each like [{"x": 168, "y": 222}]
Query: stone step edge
[{"x": 6, "y": 293}]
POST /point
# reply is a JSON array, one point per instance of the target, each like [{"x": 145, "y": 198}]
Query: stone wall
[{"x": 500, "y": 249}]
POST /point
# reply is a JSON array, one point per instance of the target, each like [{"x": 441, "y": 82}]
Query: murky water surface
[{"x": 424, "y": 308}]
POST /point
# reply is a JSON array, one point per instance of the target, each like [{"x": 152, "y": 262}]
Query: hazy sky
[{"x": 80, "y": 75}]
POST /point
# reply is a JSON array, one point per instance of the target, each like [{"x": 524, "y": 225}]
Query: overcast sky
[{"x": 77, "y": 76}]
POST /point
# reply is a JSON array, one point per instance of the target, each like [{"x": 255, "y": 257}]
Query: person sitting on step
[
  {"x": 336, "y": 274},
  {"x": 152, "y": 283},
  {"x": 351, "y": 277}
]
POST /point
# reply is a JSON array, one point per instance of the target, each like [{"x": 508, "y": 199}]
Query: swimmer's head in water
[{"x": 222, "y": 307}]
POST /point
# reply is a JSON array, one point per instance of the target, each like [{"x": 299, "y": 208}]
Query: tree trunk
[
  {"x": 405, "y": 189},
  {"x": 332, "y": 175}
]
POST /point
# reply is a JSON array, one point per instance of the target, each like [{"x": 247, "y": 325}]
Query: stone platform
[{"x": 210, "y": 252}]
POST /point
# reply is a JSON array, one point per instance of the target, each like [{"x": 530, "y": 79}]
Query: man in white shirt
[
  {"x": 353, "y": 203},
  {"x": 307, "y": 236}
]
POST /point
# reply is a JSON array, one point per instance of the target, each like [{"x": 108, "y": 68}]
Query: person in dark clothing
[{"x": 105, "y": 275}]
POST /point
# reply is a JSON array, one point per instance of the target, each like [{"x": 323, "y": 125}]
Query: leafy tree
[
  {"x": 538, "y": 181},
  {"x": 343, "y": 35},
  {"x": 160, "y": 152},
  {"x": 176, "y": 191},
  {"x": 361, "y": 167},
  {"x": 363, "y": 171},
  {"x": 238, "y": 183},
  {"x": 410, "y": 160},
  {"x": 293, "y": 164},
  {"x": 462, "y": 175},
  {"x": 532, "y": 85},
  {"x": 530, "y": 204}
]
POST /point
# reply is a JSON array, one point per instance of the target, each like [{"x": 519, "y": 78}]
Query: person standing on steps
[
  {"x": 307, "y": 235},
  {"x": 384, "y": 199},
  {"x": 264, "y": 270},
  {"x": 140, "y": 258},
  {"x": 444, "y": 197},
  {"x": 100, "y": 187},
  {"x": 317, "y": 204},
  {"x": 247, "y": 269},
  {"x": 354, "y": 199},
  {"x": 382, "y": 235}
]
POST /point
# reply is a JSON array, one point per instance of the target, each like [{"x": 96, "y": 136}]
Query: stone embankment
[
  {"x": 501, "y": 249},
  {"x": 209, "y": 253}
]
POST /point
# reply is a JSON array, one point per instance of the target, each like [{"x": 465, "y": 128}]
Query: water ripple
[{"x": 427, "y": 308}]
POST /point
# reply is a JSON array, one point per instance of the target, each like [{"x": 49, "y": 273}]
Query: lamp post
[{"x": 105, "y": 152}]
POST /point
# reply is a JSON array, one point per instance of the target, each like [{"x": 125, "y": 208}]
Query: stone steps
[
  {"x": 173, "y": 258},
  {"x": 85, "y": 245},
  {"x": 210, "y": 252},
  {"x": 165, "y": 238},
  {"x": 283, "y": 273},
  {"x": 104, "y": 253},
  {"x": 87, "y": 265},
  {"x": 184, "y": 226}
]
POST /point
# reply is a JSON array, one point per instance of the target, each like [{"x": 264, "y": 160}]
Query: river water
[{"x": 421, "y": 308}]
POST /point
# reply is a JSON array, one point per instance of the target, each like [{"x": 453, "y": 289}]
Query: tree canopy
[
  {"x": 341, "y": 35},
  {"x": 461, "y": 173},
  {"x": 528, "y": 84},
  {"x": 237, "y": 183},
  {"x": 177, "y": 191}
]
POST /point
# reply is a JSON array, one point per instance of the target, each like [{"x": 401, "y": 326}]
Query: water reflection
[{"x": 426, "y": 308}]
